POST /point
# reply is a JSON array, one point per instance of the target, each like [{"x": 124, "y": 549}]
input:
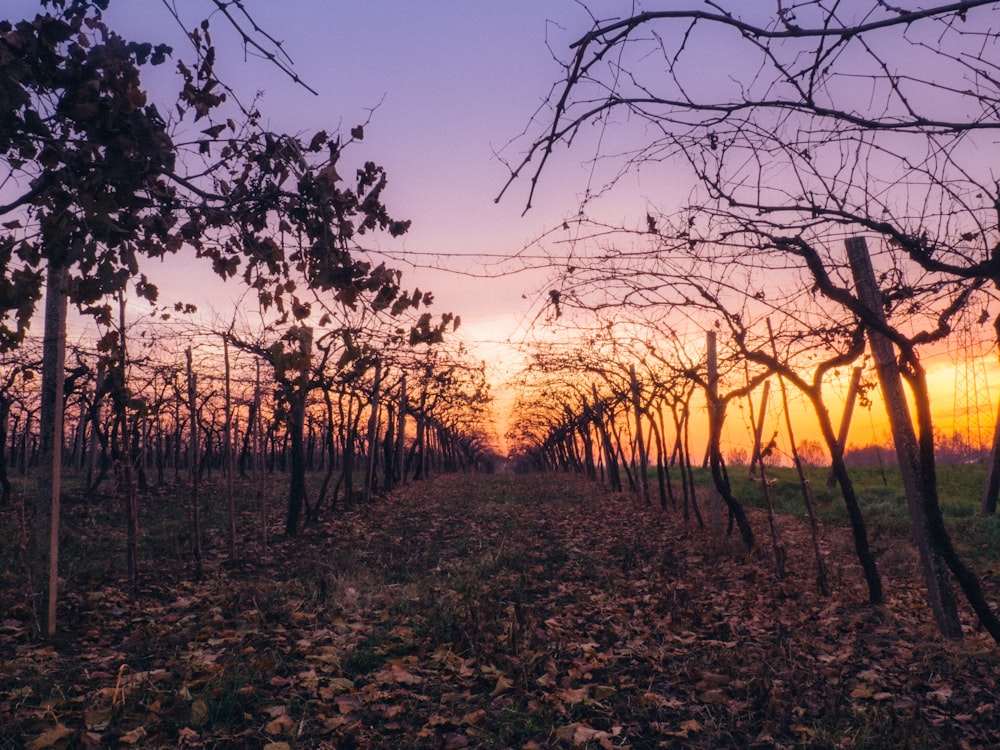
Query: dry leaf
[
  {"x": 403, "y": 677},
  {"x": 97, "y": 719},
  {"x": 572, "y": 697},
  {"x": 579, "y": 734},
  {"x": 714, "y": 697},
  {"x": 131, "y": 738},
  {"x": 281, "y": 725},
  {"x": 941, "y": 695},
  {"x": 199, "y": 713},
  {"x": 502, "y": 686},
  {"x": 348, "y": 702},
  {"x": 52, "y": 738}
]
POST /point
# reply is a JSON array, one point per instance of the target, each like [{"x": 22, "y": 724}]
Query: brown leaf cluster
[{"x": 503, "y": 612}]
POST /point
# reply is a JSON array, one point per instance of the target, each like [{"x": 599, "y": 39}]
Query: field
[{"x": 491, "y": 611}]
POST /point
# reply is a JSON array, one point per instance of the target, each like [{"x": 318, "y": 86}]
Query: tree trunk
[
  {"x": 640, "y": 441},
  {"x": 297, "y": 479},
  {"x": 610, "y": 461},
  {"x": 193, "y": 453},
  {"x": 758, "y": 433},
  {"x": 845, "y": 421},
  {"x": 939, "y": 592},
  {"x": 715, "y": 418},
  {"x": 720, "y": 481},
  {"x": 822, "y": 582}
]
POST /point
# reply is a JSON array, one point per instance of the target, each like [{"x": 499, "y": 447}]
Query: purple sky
[{"x": 452, "y": 82}]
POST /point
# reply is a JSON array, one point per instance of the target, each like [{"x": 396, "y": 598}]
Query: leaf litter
[{"x": 502, "y": 611}]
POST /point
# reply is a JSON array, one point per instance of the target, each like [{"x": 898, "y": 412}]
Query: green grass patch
[{"x": 882, "y": 498}]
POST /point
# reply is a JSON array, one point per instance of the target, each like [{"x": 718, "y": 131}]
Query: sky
[
  {"x": 451, "y": 84},
  {"x": 445, "y": 86}
]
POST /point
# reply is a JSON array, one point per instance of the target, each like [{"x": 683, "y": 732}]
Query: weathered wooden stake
[
  {"x": 715, "y": 496},
  {"x": 193, "y": 452},
  {"x": 936, "y": 577},
  {"x": 640, "y": 441},
  {"x": 758, "y": 432},
  {"x": 45, "y": 553},
  {"x": 845, "y": 421},
  {"x": 991, "y": 487},
  {"x": 228, "y": 450},
  {"x": 401, "y": 434},
  {"x": 259, "y": 463},
  {"x": 373, "y": 433}
]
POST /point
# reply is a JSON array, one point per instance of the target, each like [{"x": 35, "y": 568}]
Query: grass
[{"x": 883, "y": 501}]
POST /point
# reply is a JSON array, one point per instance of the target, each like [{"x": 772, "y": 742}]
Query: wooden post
[
  {"x": 45, "y": 542},
  {"x": 991, "y": 488},
  {"x": 177, "y": 426},
  {"x": 228, "y": 449},
  {"x": 401, "y": 434},
  {"x": 373, "y": 433},
  {"x": 640, "y": 441},
  {"x": 131, "y": 491},
  {"x": 845, "y": 421},
  {"x": 193, "y": 452},
  {"x": 821, "y": 579},
  {"x": 757, "y": 420},
  {"x": 714, "y": 496},
  {"x": 259, "y": 463},
  {"x": 936, "y": 577}
]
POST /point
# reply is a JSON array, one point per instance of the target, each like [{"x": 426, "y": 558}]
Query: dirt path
[{"x": 506, "y": 612}]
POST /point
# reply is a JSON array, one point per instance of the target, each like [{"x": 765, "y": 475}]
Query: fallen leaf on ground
[
  {"x": 281, "y": 725},
  {"x": 51, "y": 738}
]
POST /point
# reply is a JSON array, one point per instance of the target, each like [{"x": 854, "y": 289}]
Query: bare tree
[{"x": 825, "y": 122}]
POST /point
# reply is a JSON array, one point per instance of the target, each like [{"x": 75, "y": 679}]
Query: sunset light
[{"x": 499, "y": 374}]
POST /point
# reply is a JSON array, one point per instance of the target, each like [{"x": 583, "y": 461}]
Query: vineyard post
[
  {"x": 192, "y": 392},
  {"x": 401, "y": 434},
  {"x": 714, "y": 496},
  {"x": 228, "y": 450},
  {"x": 935, "y": 571},
  {"x": 991, "y": 488},
  {"x": 640, "y": 442},
  {"x": 44, "y": 564},
  {"x": 845, "y": 422},
  {"x": 373, "y": 433},
  {"x": 758, "y": 432}
]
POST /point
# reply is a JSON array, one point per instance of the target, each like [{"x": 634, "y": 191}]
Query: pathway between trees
[{"x": 503, "y": 612}]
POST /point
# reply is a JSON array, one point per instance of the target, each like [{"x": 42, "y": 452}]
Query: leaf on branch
[
  {"x": 215, "y": 131},
  {"x": 318, "y": 141}
]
